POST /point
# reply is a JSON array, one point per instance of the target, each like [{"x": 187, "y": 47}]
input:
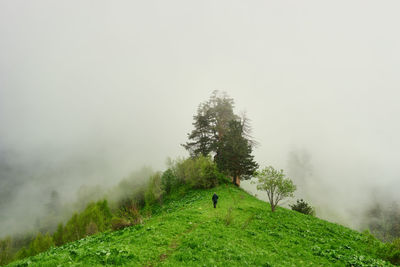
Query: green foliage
[
  {"x": 130, "y": 211},
  {"x": 97, "y": 213},
  {"x": 391, "y": 251},
  {"x": 210, "y": 123},
  {"x": 229, "y": 216},
  {"x": 199, "y": 172},
  {"x": 22, "y": 253},
  {"x": 218, "y": 130},
  {"x": 154, "y": 191},
  {"x": 169, "y": 181},
  {"x": 118, "y": 223},
  {"x": 234, "y": 153},
  {"x": 188, "y": 231},
  {"x": 276, "y": 185},
  {"x": 72, "y": 229},
  {"x": 132, "y": 188},
  {"x": 58, "y": 236},
  {"x": 87, "y": 194},
  {"x": 40, "y": 243},
  {"x": 92, "y": 229},
  {"x": 129, "y": 197},
  {"x": 303, "y": 207},
  {"x": 6, "y": 254}
]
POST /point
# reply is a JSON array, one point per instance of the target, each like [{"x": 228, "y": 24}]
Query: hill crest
[{"x": 242, "y": 231}]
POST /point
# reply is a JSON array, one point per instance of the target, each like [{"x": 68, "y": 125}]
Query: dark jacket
[{"x": 215, "y": 198}]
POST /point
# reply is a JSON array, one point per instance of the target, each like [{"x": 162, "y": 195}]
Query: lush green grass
[{"x": 241, "y": 231}]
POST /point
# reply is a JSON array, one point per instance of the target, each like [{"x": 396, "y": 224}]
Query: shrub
[
  {"x": 169, "y": 181},
  {"x": 303, "y": 207},
  {"x": 130, "y": 211},
  {"x": 22, "y": 253},
  {"x": 137, "y": 196},
  {"x": 118, "y": 223},
  {"x": 91, "y": 229},
  {"x": 200, "y": 172},
  {"x": 71, "y": 229},
  {"x": 154, "y": 191},
  {"x": 391, "y": 252},
  {"x": 131, "y": 188},
  {"x": 98, "y": 213},
  {"x": 58, "y": 235},
  {"x": 5, "y": 251},
  {"x": 40, "y": 244}
]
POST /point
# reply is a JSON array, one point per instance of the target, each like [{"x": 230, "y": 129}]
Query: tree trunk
[{"x": 236, "y": 180}]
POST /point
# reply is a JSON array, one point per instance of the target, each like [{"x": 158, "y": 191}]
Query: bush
[
  {"x": 58, "y": 235},
  {"x": 200, "y": 172},
  {"x": 154, "y": 191},
  {"x": 303, "y": 207},
  {"x": 131, "y": 188},
  {"x": 91, "y": 229},
  {"x": 391, "y": 252},
  {"x": 118, "y": 223},
  {"x": 130, "y": 211},
  {"x": 5, "y": 251},
  {"x": 98, "y": 213},
  {"x": 137, "y": 197},
  {"x": 169, "y": 181},
  {"x": 40, "y": 244}
]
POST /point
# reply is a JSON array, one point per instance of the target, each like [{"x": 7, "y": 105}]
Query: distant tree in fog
[
  {"x": 384, "y": 220},
  {"x": 54, "y": 204},
  {"x": 299, "y": 165}
]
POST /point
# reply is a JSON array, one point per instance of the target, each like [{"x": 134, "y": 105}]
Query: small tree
[
  {"x": 154, "y": 191},
  {"x": 276, "y": 185},
  {"x": 303, "y": 207},
  {"x": 58, "y": 235}
]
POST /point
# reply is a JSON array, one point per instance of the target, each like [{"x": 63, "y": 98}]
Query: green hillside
[{"x": 241, "y": 231}]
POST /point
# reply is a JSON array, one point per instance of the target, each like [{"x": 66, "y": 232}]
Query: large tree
[
  {"x": 234, "y": 153},
  {"x": 220, "y": 132},
  {"x": 202, "y": 139},
  {"x": 210, "y": 124}
]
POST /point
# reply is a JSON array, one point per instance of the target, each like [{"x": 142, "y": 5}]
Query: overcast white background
[{"x": 91, "y": 90}]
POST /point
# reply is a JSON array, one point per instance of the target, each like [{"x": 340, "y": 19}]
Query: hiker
[{"x": 215, "y": 199}]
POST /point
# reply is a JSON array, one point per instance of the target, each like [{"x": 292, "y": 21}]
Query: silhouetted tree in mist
[
  {"x": 220, "y": 132},
  {"x": 234, "y": 154}
]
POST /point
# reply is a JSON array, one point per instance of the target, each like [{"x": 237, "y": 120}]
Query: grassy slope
[{"x": 190, "y": 232}]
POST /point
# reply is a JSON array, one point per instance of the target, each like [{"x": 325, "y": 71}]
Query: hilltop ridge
[{"x": 242, "y": 231}]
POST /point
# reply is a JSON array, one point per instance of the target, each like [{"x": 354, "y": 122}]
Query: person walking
[{"x": 215, "y": 199}]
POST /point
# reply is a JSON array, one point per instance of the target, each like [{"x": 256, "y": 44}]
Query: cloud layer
[{"x": 90, "y": 91}]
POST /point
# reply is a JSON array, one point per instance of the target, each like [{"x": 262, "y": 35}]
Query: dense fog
[{"x": 91, "y": 91}]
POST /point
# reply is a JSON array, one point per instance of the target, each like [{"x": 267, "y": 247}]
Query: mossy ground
[{"x": 242, "y": 231}]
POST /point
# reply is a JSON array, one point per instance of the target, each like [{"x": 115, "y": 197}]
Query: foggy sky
[{"x": 91, "y": 90}]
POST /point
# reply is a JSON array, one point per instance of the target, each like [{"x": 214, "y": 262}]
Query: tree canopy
[
  {"x": 218, "y": 131},
  {"x": 234, "y": 153},
  {"x": 276, "y": 185},
  {"x": 210, "y": 124}
]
